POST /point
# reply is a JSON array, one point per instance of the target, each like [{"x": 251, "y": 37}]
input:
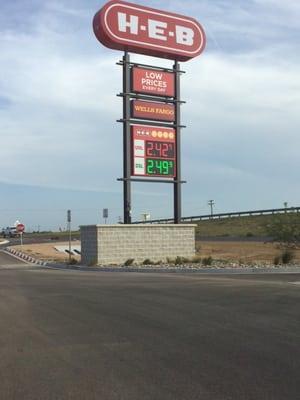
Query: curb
[
  {"x": 24, "y": 257},
  {"x": 216, "y": 271},
  {"x": 83, "y": 268}
]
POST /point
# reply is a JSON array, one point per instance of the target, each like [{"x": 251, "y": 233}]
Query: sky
[{"x": 61, "y": 147}]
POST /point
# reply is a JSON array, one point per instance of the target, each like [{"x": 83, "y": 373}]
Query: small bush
[
  {"x": 54, "y": 238},
  {"x": 128, "y": 262},
  {"x": 178, "y": 260},
  {"x": 73, "y": 261},
  {"x": 207, "y": 260},
  {"x": 277, "y": 260},
  {"x": 181, "y": 260},
  {"x": 287, "y": 256},
  {"x": 148, "y": 262},
  {"x": 249, "y": 234}
]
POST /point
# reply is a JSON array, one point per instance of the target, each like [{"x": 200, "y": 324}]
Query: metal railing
[{"x": 271, "y": 211}]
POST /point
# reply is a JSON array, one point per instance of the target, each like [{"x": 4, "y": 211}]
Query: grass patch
[{"x": 251, "y": 226}]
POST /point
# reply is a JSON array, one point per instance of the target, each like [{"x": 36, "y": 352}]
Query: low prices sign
[
  {"x": 152, "y": 110},
  {"x": 154, "y": 151},
  {"x": 154, "y": 82},
  {"x": 130, "y": 27}
]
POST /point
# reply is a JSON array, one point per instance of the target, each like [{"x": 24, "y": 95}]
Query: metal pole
[
  {"x": 70, "y": 234},
  {"x": 177, "y": 178},
  {"x": 126, "y": 140}
]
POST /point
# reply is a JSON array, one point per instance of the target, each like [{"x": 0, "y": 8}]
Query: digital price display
[
  {"x": 159, "y": 167},
  {"x": 154, "y": 151}
]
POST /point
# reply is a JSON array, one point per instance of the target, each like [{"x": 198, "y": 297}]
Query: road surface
[{"x": 128, "y": 336}]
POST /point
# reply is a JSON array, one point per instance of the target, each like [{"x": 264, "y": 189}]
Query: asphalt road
[{"x": 129, "y": 336}]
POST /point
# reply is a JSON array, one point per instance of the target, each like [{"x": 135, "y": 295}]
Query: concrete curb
[
  {"x": 83, "y": 268},
  {"x": 232, "y": 271},
  {"x": 24, "y": 257}
]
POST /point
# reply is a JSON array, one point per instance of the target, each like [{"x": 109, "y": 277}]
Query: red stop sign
[{"x": 20, "y": 228}]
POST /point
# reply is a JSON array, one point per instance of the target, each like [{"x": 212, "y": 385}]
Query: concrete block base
[{"x": 114, "y": 244}]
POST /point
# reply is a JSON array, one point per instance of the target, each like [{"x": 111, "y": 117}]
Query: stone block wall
[{"x": 114, "y": 244}]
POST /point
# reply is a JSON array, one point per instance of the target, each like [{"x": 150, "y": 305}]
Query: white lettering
[
  {"x": 132, "y": 24},
  {"x": 184, "y": 35},
  {"x": 154, "y": 75},
  {"x": 153, "y": 82},
  {"x": 156, "y": 29}
]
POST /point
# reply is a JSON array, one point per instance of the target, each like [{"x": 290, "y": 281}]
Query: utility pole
[{"x": 211, "y": 203}]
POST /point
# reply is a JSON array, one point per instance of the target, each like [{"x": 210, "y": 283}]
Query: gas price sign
[{"x": 154, "y": 151}]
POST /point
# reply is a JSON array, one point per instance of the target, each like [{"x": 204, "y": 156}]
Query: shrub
[
  {"x": 249, "y": 234},
  {"x": 207, "y": 260},
  {"x": 148, "y": 262},
  {"x": 73, "y": 261},
  {"x": 128, "y": 262},
  {"x": 285, "y": 230},
  {"x": 181, "y": 260},
  {"x": 277, "y": 260},
  {"x": 287, "y": 256},
  {"x": 54, "y": 238}
]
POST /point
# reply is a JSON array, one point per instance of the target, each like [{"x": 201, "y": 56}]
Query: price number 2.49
[{"x": 160, "y": 167}]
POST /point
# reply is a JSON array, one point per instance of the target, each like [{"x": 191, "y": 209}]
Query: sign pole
[
  {"x": 177, "y": 179},
  {"x": 105, "y": 214},
  {"x": 70, "y": 233},
  {"x": 126, "y": 140},
  {"x": 21, "y": 239}
]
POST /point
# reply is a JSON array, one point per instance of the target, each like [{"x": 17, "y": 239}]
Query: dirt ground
[
  {"x": 229, "y": 251},
  {"x": 241, "y": 251},
  {"x": 46, "y": 251}
]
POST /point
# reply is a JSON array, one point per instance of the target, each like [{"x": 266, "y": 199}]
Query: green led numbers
[
  {"x": 159, "y": 167},
  {"x": 150, "y": 165}
]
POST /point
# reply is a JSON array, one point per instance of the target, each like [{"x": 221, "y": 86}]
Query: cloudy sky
[{"x": 61, "y": 147}]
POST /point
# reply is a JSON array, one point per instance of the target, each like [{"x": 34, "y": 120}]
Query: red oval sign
[{"x": 129, "y": 27}]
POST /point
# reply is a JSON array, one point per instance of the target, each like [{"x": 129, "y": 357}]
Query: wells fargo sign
[
  {"x": 152, "y": 110},
  {"x": 129, "y": 27},
  {"x": 153, "y": 82}
]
